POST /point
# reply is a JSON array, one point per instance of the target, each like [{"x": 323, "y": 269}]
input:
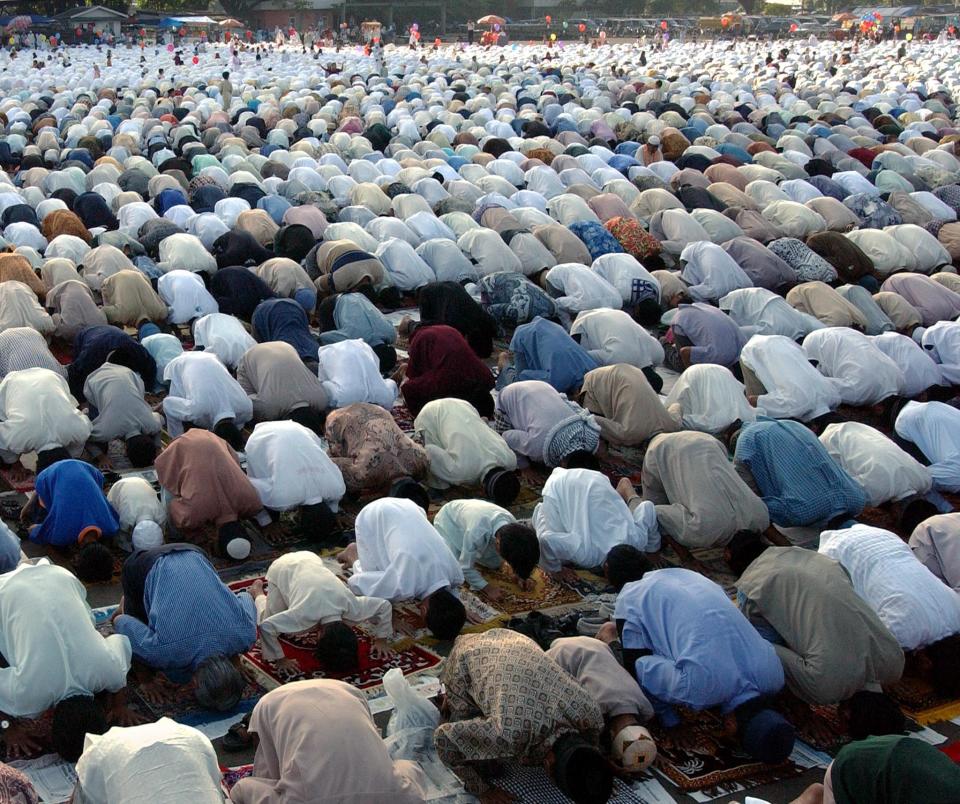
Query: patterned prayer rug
[
  {"x": 532, "y": 785},
  {"x": 919, "y": 701},
  {"x": 233, "y": 775},
  {"x": 544, "y": 595},
  {"x": 18, "y": 479},
  {"x": 411, "y": 658},
  {"x": 712, "y": 762}
]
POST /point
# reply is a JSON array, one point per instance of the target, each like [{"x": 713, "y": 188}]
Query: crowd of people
[{"x": 738, "y": 269}]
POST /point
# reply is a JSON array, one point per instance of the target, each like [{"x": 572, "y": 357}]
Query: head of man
[
  {"x": 939, "y": 662},
  {"x": 625, "y": 564},
  {"x": 94, "y": 563},
  {"x": 445, "y": 614},
  {"x": 519, "y": 547},
  {"x": 764, "y": 734},
  {"x": 580, "y": 459},
  {"x": 49, "y": 457},
  {"x": 308, "y": 417},
  {"x": 742, "y": 550},
  {"x": 73, "y": 719},
  {"x": 218, "y": 684},
  {"x": 227, "y": 430},
  {"x": 406, "y": 488},
  {"x": 337, "y": 648},
  {"x": 501, "y": 485},
  {"x": 141, "y": 450},
  {"x": 869, "y": 714},
  {"x": 580, "y": 770}
]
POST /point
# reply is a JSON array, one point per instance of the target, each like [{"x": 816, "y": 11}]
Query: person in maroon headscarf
[{"x": 443, "y": 365}]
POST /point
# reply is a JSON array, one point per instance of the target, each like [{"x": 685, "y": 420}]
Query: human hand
[
  {"x": 158, "y": 691},
  {"x": 125, "y": 716},
  {"x": 348, "y": 556},
  {"x": 564, "y": 575},
  {"x": 19, "y": 742},
  {"x": 255, "y": 589},
  {"x": 504, "y": 359},
  {"x": 608, "y": 633},
  {"x": 380, "y": 649},
  {"x": 287, "y": 666},
  {"x": 493, "y": 593}
]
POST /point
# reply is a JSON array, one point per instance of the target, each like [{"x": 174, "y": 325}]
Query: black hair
[
  {"x": 624, "y": 564},
  {"x": 520, "y": 548},
  {"x": 445, "y": 614},
  {"x": 73, "y": 719},
  {"x": 310, "y": 418},
  {"x": 580, "y": 459},
  {"x": 337, "y": 649},
  {"x": 317, "y": 521},
  {"x": 406, "y": 488},
  {"x": 387, "y": 356},
  {"x": 141, "y": 450},
  {"x": 744, "y": 548},
  {"x": 229, "y": 531},
  {"x": 874, "y": 714},
  {"x": 227, "y": 430},
  {"x": 49, "y": 457},
  {"x": 389, "y": 297},
  {"x": 123, "y": 356},
  {"x": 647, "y": 313},
  {"x": 501, "y": 485},
  {"x": 944, "y": 657},
  {"x": 94, "y": 563},
  {"x": 581, "y": 772},
  {"x": 915, "y": 512}
]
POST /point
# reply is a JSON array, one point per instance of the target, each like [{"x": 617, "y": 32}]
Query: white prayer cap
[
  {"x": 147, "y": 534},
  {"x": 238, "y": 549}
]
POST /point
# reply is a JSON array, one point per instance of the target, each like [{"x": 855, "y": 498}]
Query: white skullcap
[
  {"x": 147, "y": 534},
  {"x": 238, "y": 549}
]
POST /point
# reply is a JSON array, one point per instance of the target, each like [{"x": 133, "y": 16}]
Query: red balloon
[
  {"x": 663, "y": 25},
  {"x": 196, "y": 60},
  {"x": 549, "y": 19},
  {"x": 794, "y": 27},
  {"x": 725, "y": 22},
  {"x": 582, "y": 27}
]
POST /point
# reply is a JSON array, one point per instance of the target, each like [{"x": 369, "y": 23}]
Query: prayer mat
[
  {"x": 411, "y": 658},
  {"x": 817, "y": 726},
  {"x": 233, "y": 775},
  {"x": 19, "y": 479},
  {"x": 532, "y": 785},
  {"x": 919, "y": 701},
  {"x": 713, "y": 762},
  {"x": 403, "y": 417},
  {"x": 545, "y": 593}
]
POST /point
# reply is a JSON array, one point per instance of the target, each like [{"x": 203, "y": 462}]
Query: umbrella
[
  {"x": 843, "y": 17},
  {"x": 230, "y": 22},
  {"x": 491, "y": 19}
]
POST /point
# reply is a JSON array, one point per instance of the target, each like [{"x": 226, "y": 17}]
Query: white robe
[
  {"x": 581, "y": 518},
  {"x": 37, "y": 413},
  {"x": 582, "y": 289},
  {"x": 175, "y": 763},
  {"x": 919, "y": 370},
  {"x": 400, "y": 555},
  {"x": 612, "y": 336},
  {"x": 302, "y": 592},
  {"x": 19, "y": 308},
  {"x": 710, "y": 272},
  {"x": 406, "y": 270},
  {"x": 135, "y": 501},
  {"x": 223, "y": 335},
  {"x": 928, "y": 252},
  {"x": 942, "y": 343},
  {"x": 289, "y": 467},
  {"x": 917, "y": 607},
  {"x": 628, "y": 276},
  {"x": 862, "y": 373},
  {"x": 884, "y": 470},
  {"x": 185, "y": 252},
  {"x": 936, "y": 544},
  {"x": 349, "y": 372},
  {"x": 203, "y": 392},
  {"x": 184, "y": 293},
  {"x": 935, "y": 428},
  {"x": 462, "y": 448},
  {"x": 708, "y": 398},
  {"x": 795, "y": 389},
  {"x": 763, "y": 312}
]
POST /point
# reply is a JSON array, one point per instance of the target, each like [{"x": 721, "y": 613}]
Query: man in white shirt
[
  {"x": 56, "y": 658},
  {"x": 710, "y": 272},
  {"x": 919, "y": 370},
  {"x": 763, "y": 312},
  {"x": 203, "y": 393},
  {"x": 707, "y": 397},
  {"x": 186, "y": 296},
  {"x": 576, "y": 288},
  {"x": 464, "y": 451},
  {"x": 224, "y": 336},
  {"x": 38, "y": 414},
  {"x": 933, "y": 428},
  {"x": 289, "y": 468},
  {"x": 582, "y": 517},
  {"x": 942, "y": 342},
  {"x": 921, "y": 610},
  {"x": 176, "y": 763},
  {"x": 481, "y": 533},
  {"x": 349, "y": 372},
  {"x": 612, "y": 336},
  {"x": 639, "y": 289},
  {"x": 861, "y": 373},
  {"x": 140, "y": 511},
  {"x": 19, "y": 308},
  {"x": 781, "y": 382},
  {"x": 304, "y": 595},
  {"x": 936, "y": 544},
  {"x": 398, "y": 555}
]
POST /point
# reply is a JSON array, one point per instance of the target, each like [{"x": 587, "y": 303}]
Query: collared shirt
[
  {"x": 581, "y": 518},
  {"x": 48, "y": 639},
  {"x": 302, "y": 592},
  {"x": 469, "y": 527},
  {"x": 288, "y": 466},
  {"x": 911, "y": 601},
  {"x": 400, "y": 555},
  {"x": 704, "y": 652},
  {"x": 192, "y": 615},
  {"x": 797, "y": 478},
  {"x": 935, "y": 428}
]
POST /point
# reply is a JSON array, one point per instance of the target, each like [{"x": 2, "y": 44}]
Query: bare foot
[
  {"x": 348, "y": 556},
  {"x": 625, "y": 489}
]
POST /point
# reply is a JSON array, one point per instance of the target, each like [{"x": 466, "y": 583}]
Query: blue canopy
[{"x": 35, "y": 19}]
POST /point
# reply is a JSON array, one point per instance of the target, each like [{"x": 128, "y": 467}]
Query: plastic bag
[{"x": 410, "y": 711}]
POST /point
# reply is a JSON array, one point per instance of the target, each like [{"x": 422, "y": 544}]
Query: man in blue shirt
[
  {"x": 544, "y": 351},
  {"x": 689, "y": 645},
  {"x": 182, "y": 619},
  {"x": 795, "y": 475}
]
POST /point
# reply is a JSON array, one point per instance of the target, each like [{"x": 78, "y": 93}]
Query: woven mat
[
  {"x": 18, "y": 480},
  {"x": 233, "y": 775},
  {"x": 713, "y": 762},
  {"x": 918, "y": 700},
  {"x": 411, "y": 658},
  {"x": 544, "y": 595},
  {"x": 532, "y": 785}
]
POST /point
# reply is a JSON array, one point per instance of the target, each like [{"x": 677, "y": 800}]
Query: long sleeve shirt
[
  {"x": 919, "y": 370},
  {"x": 911, "y": 601},
  {"x": 302, "y": 592},
  {"x": 224, "y": 336},
  {"x": 203, "y": 392},
  {"x": 469, "y": 527},
  {"x": 710, "y": 272},
  {"x": 612, "y": 336},
  {"x": 544, "y": 351},
  {"x": 763, "y": 312},
  {"x": 532, "y": 407},
  {"x": 581, "y": 518},
  {"x": 349, "y": 372},
  {"x": 38, "y": 413},
  {"x": 48, "y": 638},
  {"x": 184, "y": 293},
  {"x": 356, "y": 317},
  {"x": 192, "y": 615},
  {"x": 862, "y": 373},
  {"x": 703, "y": 651},
  {"x": 117, "y": 394},
  {"x": 709, "y": 398},
  {"x": 936, "y": 544},
  {"x": 935, "y": 428},
  {"x": 715, "y": 336},
  {"x": 942, "y": 343}
]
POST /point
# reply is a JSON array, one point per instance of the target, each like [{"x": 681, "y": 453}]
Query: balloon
[
  {"x": 196, "y": 60},
  {"x": 170, "y": 48},
  {"x": 663, "y": 25},
  {"x": 724, "y": 22},
  {"x": 553, "y": 37},
  {"x": 909, "y": 37},
  {"x": 794, "y": 27},
  {"x": 565, "y": 24},
  {"x": 581, "y": 27},
  {"x": 549, "y": 19},
  {"x": 437, "y": 41},
  {"x": 416, "y": 26},
  {"x": 496, "y": 26},
  {"x": 416, "y": 35}
]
